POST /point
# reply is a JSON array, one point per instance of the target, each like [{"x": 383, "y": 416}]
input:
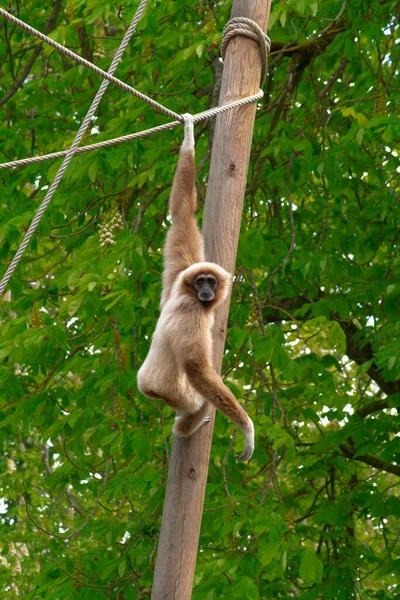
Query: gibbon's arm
[
  {"x": 184, "y": 245},
  {"x": 210, "y": 385}
]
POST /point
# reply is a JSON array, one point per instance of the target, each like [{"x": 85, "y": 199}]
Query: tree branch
[
  {"x": 372, "y": 461},
  {"x": 372, "y": 407},
  {"x": 310, "y": 48},
  {"x": 355, "y": 352},
  {"x": 364, "y": 354}
]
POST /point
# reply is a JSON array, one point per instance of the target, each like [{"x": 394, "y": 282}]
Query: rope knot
[{"x": 251, "y": 29}]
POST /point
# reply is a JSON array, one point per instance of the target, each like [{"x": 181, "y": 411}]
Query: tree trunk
[{"x": 188, "y": 467}]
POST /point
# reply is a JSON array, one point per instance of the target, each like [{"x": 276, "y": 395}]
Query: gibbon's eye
[
  {"x": 200, "y": 281},
  {"x": 211, "y": 281}
]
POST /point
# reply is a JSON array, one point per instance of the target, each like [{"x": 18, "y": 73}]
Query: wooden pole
[{"x": 188, "y": 466}]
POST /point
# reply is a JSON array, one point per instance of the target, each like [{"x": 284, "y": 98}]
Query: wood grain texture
[{"x": 188, "y": 467}]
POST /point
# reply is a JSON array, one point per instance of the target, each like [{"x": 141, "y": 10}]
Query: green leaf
[
  {"x": 237, "y": 337},
  {"x": 116, "y": 300},
  {"x": 139, "y": 264},
  {"x": 74, "y": 278},
  {"x": 92, "y": 171},
  {"x": 311, "y": 569},
  {"x": 199, "y": 50},
  {"x": 74, "y": 305},
  {"x": 121, "y": 568},
  {"x": 245, "y": 588},
  {"x": 364, "y": 367},
  {"x": 4, "y": 352},
  {"x": 4, "y": 231},
  {"x": 300, "y": 6},
  {"x": 269, "y": 552},
  {"x": 337, "y": 337},
  {"x": 108, "y": 569},
  {"x": 72, "y": 418},
  {"x": 88, "y": 433},
  {"x": 387, "y": 135}
]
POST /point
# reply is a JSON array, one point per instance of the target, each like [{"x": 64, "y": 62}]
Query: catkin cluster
[{"x": 110, "y": 223}]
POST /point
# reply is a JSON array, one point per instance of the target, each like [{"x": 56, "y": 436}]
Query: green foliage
[{"x": 313, "y": 341}]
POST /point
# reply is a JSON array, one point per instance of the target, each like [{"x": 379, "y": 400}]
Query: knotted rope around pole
[
  {"x": 85, "y": 124},
  {"x": 251, "y": 29}
]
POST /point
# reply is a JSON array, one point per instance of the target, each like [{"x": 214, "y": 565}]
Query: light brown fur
[{"x": 178, "y": 367}]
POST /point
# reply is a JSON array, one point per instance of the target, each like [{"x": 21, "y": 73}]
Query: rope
[
  {"x": 212, "y": 112},
  {"x": 236, "y": 26},
  {"x": 251, "y": 29},
  {"x": 89, "y": 65},
  {"x": 72, "y": 150}
]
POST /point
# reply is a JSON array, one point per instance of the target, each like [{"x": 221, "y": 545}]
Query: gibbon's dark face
[{"x": 206, "y": 286}]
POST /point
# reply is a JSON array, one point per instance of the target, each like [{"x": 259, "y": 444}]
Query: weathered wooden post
[{"x": 188, "y": 467}]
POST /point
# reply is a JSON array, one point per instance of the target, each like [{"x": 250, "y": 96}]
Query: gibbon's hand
[{"x": 188, "y": 142}]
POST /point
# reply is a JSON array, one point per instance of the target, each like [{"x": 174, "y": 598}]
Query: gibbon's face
[
  {"x": 206, "y": 287},
  {"x": 206, "y": 282}
]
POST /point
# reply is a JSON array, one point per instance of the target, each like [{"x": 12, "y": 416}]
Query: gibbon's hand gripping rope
[{"x": 236, "y": 26}]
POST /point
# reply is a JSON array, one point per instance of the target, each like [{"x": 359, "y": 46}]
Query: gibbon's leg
[
  {"x": 210, "y": 385},
  {"x": 184, "y": 245},
  {"x": 188, "y": 423},
  {"x": 170, "y": 397}
]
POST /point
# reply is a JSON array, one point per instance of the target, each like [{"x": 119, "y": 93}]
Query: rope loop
[{"x": 251, "y": 29}]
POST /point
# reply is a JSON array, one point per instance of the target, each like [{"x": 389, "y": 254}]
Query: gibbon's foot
[
  {"x": 249, "y": 443},
  {"x": 188, "y": 423},
  {"x": 178, "y": 433}
]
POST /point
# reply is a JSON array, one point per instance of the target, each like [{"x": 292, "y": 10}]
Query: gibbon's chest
[{"x": 179, "y": 326}]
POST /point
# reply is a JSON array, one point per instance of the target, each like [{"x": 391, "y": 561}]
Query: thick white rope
[
  {"x": 85, "y": 124},
  {"x": 212, "y": 112},
  {"x": 89, "y": 65},
  {"x": 236, "y": 26}
]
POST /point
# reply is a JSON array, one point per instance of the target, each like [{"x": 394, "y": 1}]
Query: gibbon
[{"x": 178, "y": 367}]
